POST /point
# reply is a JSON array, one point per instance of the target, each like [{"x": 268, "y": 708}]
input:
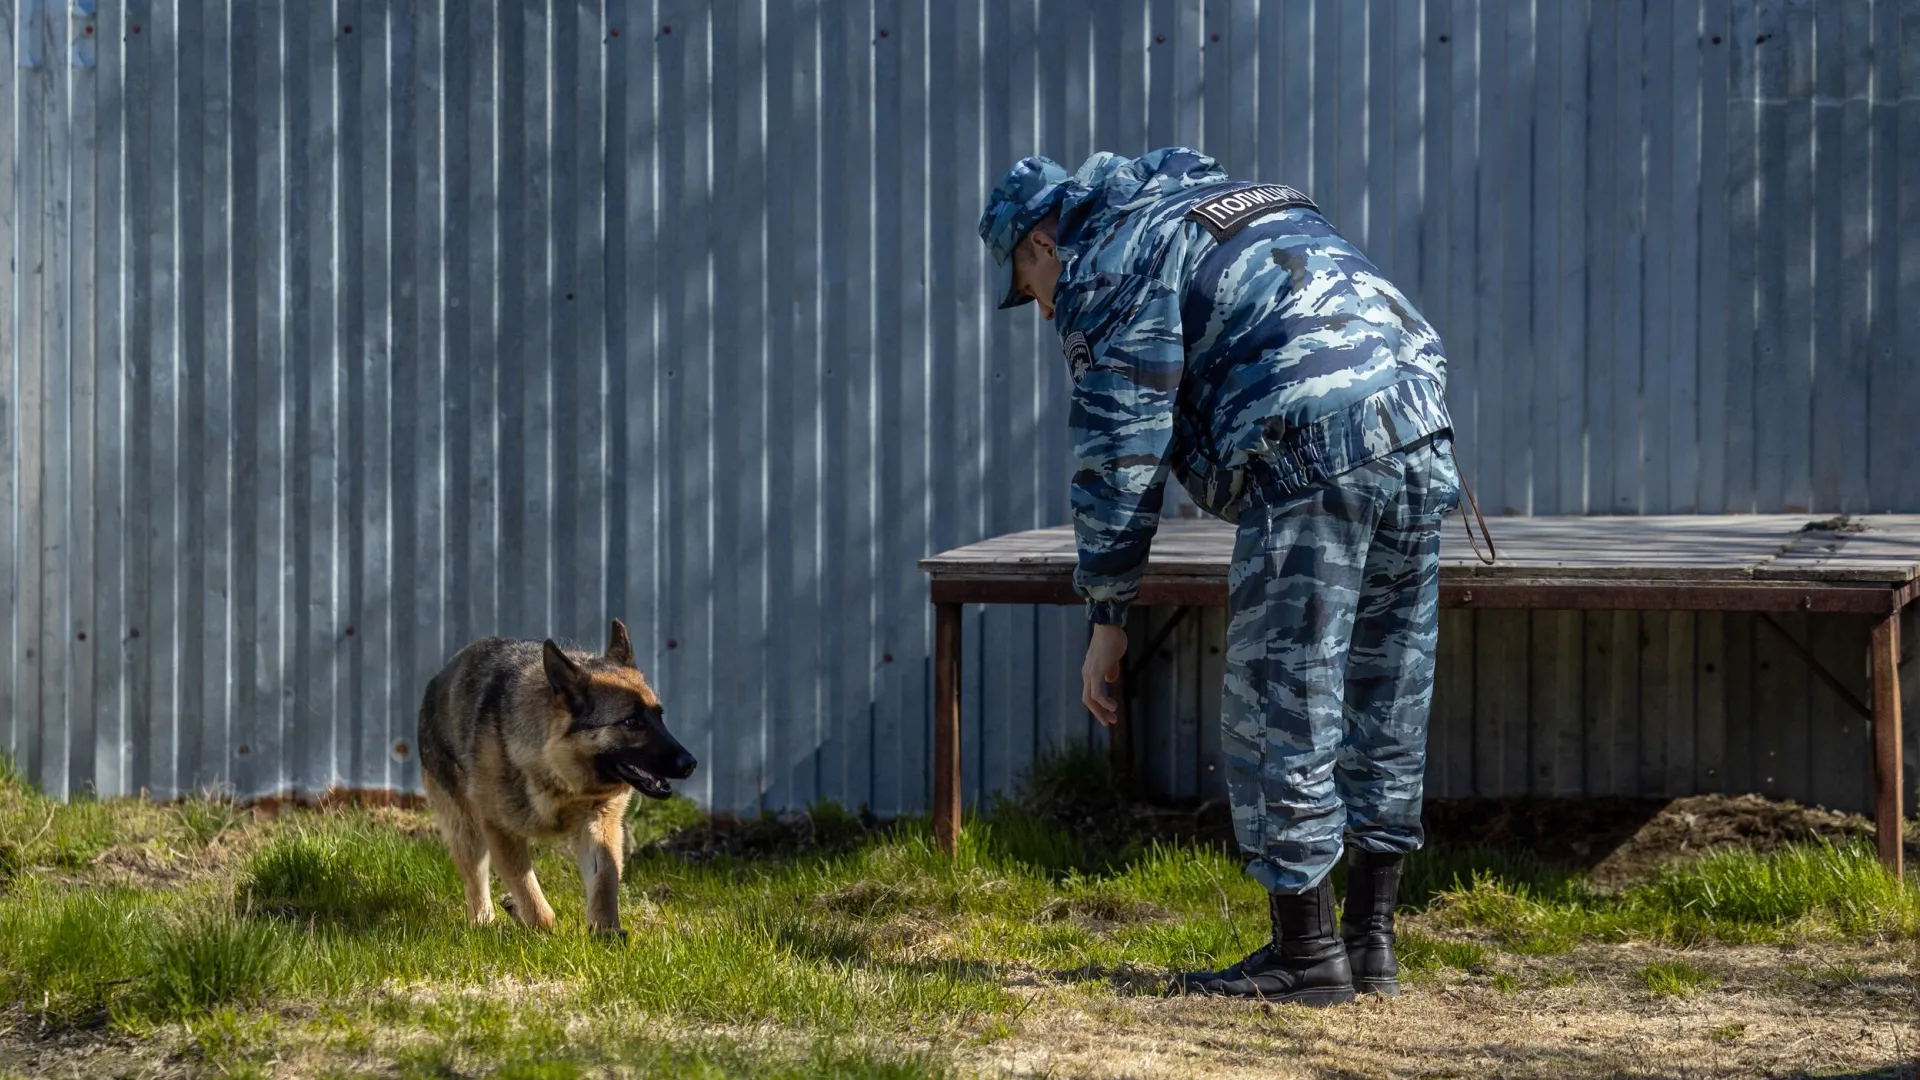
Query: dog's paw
[
  {"x": 610, "y": 934},
  {"x": 506, "y": 905}
]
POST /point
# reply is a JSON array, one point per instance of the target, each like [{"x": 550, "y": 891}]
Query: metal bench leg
[
  {"x": 1886, "y": 740},
  {"x": 946, "y": 727}
]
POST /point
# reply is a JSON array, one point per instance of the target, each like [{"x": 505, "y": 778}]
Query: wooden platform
[{"x": 1867, "y": 565}]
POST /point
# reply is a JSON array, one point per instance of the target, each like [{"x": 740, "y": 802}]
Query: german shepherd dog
[{"x": 520, "y": 740}]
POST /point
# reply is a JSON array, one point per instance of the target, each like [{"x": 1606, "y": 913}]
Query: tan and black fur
[{"x": 520, "y": 740}]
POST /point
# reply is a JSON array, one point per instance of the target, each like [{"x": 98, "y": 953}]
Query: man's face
[{"x": 1036, "y": 269}]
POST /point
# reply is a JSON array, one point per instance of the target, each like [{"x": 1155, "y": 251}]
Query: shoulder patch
[
  {"x": 1079, "y": 355},
  {"x": 1228, "y": 212}
]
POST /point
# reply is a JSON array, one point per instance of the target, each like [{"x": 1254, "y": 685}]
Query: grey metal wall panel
[{"x": 339, "y": 334}]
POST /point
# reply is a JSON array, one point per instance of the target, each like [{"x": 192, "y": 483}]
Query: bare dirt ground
[{"x": 1826, "y": 1011}]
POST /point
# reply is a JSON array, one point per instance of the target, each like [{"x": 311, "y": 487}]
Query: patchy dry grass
[{"x": 138, "y": 940}]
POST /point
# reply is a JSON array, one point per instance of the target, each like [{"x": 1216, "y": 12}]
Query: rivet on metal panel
[
  {"x": 1444, "y": 39},
  {"x": 666, "y": 29},
  {"x": 613, "y": 31},
  {"x": 135, "y": 632},
  {"x": 1806, "y": 602},
  {"x": 1716, "y": 39},
  {"x": 672, "y": 644},
  {"x": 1159, "y": 39},
  {"x": 136, "y": 28},
  {"x": 1467, "y": 597},
  {"x": 347, "y": 29},
  {"x": 1215, "y": 37},
  {"x": 886, "y": 658},
  {"x": 245, "y": 750},
  {"x": 399, "y": 749},
  {"x": 349, "y": 631},
  {"x": 82, "y": 635},
  {"x": 883, "y": 33}
]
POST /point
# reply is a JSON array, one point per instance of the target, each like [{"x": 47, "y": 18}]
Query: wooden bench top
[{"x": 1730, "y": 562}]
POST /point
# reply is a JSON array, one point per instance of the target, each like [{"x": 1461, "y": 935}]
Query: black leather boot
[
  {"x": 1366, "y": 924},
  {"x": 1305, "y": 964}
]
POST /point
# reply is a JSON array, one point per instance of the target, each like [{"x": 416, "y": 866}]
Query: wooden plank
[
  {"x": 1714, "y": 256},
  {"x": 1908, "y": 226},
  {"x": 1666, "y": 386},
  {"x": 1518, "y": 370},
  {"x": 1611, "y": 722},
  {"x": 1486, "y": 439},
  {"x": 1783, "y": 383},
  {"x": 577, "y": 299},
  {"x": 1742, "y": 723},
  {"x": 1839, "y": 739},
  {"x": 1433, "y": 291},
  {"x": 1667, "y": 718},
  {"x": 1889, "y": 777},
  {"x": 1569, "y": 349},
  {"x": 1554, "y": 694},
  {"x": 107, "y": 626},
  {"x": 83, "y": 365},
  {"x": 261, "y": 755},
  {"x": 740, "y": 379},
  {"x": 1682, "y": 239},
  {"x": 379, "y": 706},
  {"x": 1658, "y": 692},
  {"x": 1743, "y": 258},
  {"x": 1212, "y": 647},
  {"x": 1239, "y": 53},
  {"x": 1401, "y": 22},
  {"x": 1189, "y": 673},
  {"x": 1781, "y": 685},
  {"x": 1501, "y": 733},
  {"x": 1006, "y": 391},
  {"x": 1300, "y": 162},
  {"x": 946, "y": 723},
  {"x": 900, "y": 736},
  {"x": 153, "y": 363},
  {"x": 1891, "y": 382},
  {"x": 1541, "y": 419},
  {"x": 420, "y": 362},
  {"x": 1604, "y": 229},
  {"x": 1842, "y": 199},
  {"x": 1450, "y": 752},
  {"x": 1628, "y": 231},
  {"x": 316, "y": 638},
  {"x": 1710, "y": 682},
  {"x": 12, "y": 735},
  {"x": 685, "y": 271},
  {"x": 44, "y": 159},
  {"x": 1377, "y": 150},
  {"x": 793, "y": 295},
  {"x": 526, "y": 562}
]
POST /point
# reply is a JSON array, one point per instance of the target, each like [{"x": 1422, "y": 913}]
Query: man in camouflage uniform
[{"x": 1224, "y": 332}]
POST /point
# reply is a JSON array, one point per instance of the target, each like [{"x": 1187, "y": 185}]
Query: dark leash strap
[{"x": 1491, "y": 554}]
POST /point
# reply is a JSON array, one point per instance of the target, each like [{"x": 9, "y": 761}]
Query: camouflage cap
[{"x": 1028, "y": 193}]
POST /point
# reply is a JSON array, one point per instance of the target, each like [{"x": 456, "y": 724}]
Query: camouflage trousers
[{"x": 1333, "y": 620}]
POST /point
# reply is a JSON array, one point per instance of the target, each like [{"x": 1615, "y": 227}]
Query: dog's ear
[
  {"x": 568, "y": 679},
  {"x": 619, "y": 645}
]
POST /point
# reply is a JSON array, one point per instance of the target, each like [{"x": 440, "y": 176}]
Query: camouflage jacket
[{"x": 1232, "y": 344}]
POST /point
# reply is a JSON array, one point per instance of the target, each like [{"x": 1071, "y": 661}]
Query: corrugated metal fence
[{"x": 341, "y": 332}]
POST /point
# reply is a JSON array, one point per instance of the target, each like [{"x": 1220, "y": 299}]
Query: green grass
[
  {"x": 340, "y": 929},
  {"x": 1675, "y": 979}
]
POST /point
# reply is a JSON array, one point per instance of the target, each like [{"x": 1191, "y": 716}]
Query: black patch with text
[
  {"x": 1228, "y": 212},
  {"x": 1079, "y": 355}
]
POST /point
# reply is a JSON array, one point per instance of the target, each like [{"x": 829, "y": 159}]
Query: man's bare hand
[{"x": 1109, "y": 644}]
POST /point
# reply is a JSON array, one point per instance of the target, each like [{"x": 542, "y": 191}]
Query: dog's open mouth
[{"x": 644, "y": 782}]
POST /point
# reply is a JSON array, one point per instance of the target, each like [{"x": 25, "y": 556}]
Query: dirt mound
[{"x": 1622, "y": 840}]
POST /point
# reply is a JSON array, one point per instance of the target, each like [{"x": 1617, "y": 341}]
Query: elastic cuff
[{"x": 1107, "y": 612}]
